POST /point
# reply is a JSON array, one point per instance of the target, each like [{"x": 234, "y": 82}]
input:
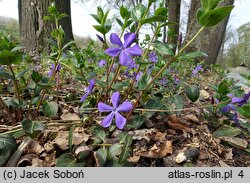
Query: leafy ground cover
[{"x": 124, "y": 103}]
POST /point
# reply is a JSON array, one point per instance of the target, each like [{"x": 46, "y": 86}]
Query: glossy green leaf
[
  {"x": 125, "y": 138},
  {"x": 7, "y": 57},
  {"x": 192, "y": 55},
  {"x": 50, "y": 108},
  {"x": 136, "y": 122},
  {"x": 32, "y": 128},
  {"x": 177, "y": 102},
  {"x": 124, "y": 155},
  {"x": 162, "y": 48},
  {"x": 66, "y": 160},
  {"x": 7, "y": 146},
  {"x": 162, "y": 11},
  {"x": 125, "y": 14},
  {"x": 99, "y": 133},
  {"x": 36, "y": 77},
  {"x": 215, "y": 16},
  {"x": 192, "y": 92},
  {"x": 228, "y": 131},
  {"x": 223, "y": 87},
  {"x": 96, "y": 18},
  {"x": 143, "y": 81},
  {"x": 138, "y": 12},
  {"x": 244, "y": 111},
  {"x": 155, "y": 18},
  {"x": 100, "y": 29},
  {"x": 5, "y": 75},
  {"x": 114, "y": 150},
  {"x": 102, "y": 155}
]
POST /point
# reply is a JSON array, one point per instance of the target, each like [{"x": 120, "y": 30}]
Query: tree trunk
[
  {"x": 174, "y": 7},
  {"x": 34, "y": 30},
  {"x": 210, "y": 40},
  {"x": 63, "y": 6}
]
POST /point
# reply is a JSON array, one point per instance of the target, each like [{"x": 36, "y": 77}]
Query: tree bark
[
  {"x": 34, "y": 30},
  {"x": 210, "y": 40},
  {"x": 174, "y": 7},
  {"x": 64, "y": 6}
]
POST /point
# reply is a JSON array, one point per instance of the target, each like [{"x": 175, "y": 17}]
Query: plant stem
[{"x": 2, "y": 105}]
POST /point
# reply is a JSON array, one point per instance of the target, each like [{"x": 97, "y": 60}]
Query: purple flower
[
  {"x": 58, "y": 68},
  {"x": 100, "y": 38},
  {"x": 88, "y": 90},
  {"x": 138, "y": 76},
  {"x": 196, "y": 70},
  {"x": 241, "y": 101},
  {"x": 124, "y": 50},
  {"x": 176, "y": 80},
  {"x": 132, "y": 65},
  {"x": 152, "y": 57},
  {"x": 101, "y": 63},
  {"x": 114, "y": 67},
  {"x": 228, "y": 108},
  {"x": 114, "y": 111},
  {"x": 163, "y": 81}
]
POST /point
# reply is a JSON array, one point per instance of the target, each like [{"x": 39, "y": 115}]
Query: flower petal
[
  {"x": 129, "y": 38},
  {"x": 124, "y": 59},
  {"x": 120, "y": 121},
  {"x": 107, "y": 120},
  {"x": 104, "y": 107},
  {"x": 114, "y": 39},
  {"x": 113, "y": 52},
  {"x": 135, "y": 50},
  {"x": 125, "y": 107},
  {"x": 84, "y": 97},
  {"x": 91, "y": 86},
  {"x": 115, "y": 99}
]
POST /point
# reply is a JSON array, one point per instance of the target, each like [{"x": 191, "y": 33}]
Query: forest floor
[{"x": 187, "y": 139}]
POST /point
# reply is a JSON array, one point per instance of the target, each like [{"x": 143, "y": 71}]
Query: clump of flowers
[
  {"x": 101, "y": 63},
  {"x": 114, "y": 111},
  {"x": 124, "y": 50},
  {"x": 88, "y": 90},
  {"x": 153, "y": 57}
]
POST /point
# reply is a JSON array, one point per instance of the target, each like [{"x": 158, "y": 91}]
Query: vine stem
[
  {"x": 2, "y": 105},
  {"x": 173, "y": 59}
]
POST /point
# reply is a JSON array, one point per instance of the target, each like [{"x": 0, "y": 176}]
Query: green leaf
[
  {"x": 143, "y": 81},
  {"x": 5, "y": 75},
  {"x": 192, "y": 92},
  {"x": 155, "y": 18},
  {"x": 71, "y": 131},
  {"x": 161, "y": 11},
  {"x": 124, "y": 155},
  {"x": 7, "y": 57},
  {"x": 102, "y": 155},
  {"x": 36, "y": 77},
  {"x": 125, "y": 14},
  {"x": 244, "y": 111},
  {"x": 22, "y": 73},
  {"x": 96, "y": 18},
  {"x": 178, "y": 102},
  {"x": 114, "y": 150},
  {"x": 228, "y": 131},
  {"x": 210, "y": 4},
  {"x": 215, "y": 16},
  {"x": 119, "y": 22},
  {"x": 7, "y": 146},
  {"x": 62, "y": 15},
  {"x": 125, "y": 138},
  {"x": 104, "y": 18},
  {"x": 135, "y": 122},
  {"x": 192, "y": 55},
  {"x": 223, "y": 87},
  {"x": 66, "y": 160},
  {"x": 32, "y": 128},
  {"x": 100, "y": 13},
  {"x": 99, "y": 133},
  {"x": 50, "y": 108},
  {"x": 162, "y": 48},
  {"x": 100, "y": 29},
  {"x": 138, "y": 12}
]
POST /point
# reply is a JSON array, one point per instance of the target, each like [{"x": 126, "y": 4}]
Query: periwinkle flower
[
  {"x": 124, "y": 50},
  {"x": 114, "y": 111},
  {"x": 101, "y": 63},
  {"x": 196, "y": 70},
  {"x": 153, "y": 57},
  {"x": 163, "y": 81},
  {"x": 100, "y": 38},
  {"x": 139, "y": 75},
  {"x": 241, "y": 101},
  {"x": 88, "y": 90},
  {"x": 52, "y": 67}
]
